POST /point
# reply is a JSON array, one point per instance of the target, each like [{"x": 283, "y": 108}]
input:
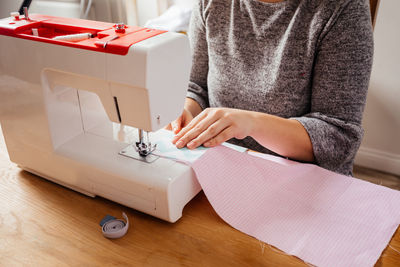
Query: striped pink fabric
[{"x": 324, "y": 218}]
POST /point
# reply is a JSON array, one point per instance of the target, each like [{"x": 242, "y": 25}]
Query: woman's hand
[
  {"x": 213, "y": 126},
  {"x": 180, "y": 122},
  {"x": 190, "y": 110}
]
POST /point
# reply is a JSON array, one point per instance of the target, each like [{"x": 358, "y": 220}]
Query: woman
[{"x": 287, "y": 77}]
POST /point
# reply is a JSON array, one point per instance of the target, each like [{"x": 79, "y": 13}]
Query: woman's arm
[
  {"x": 197, "y": 89},
  {"x": 214, "y": 126},
  {"x": 285, "y": 137},
  {"x": 193, "y": 107}
]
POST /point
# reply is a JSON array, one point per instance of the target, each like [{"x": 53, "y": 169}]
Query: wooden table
[{"x": 44, "y": 224}]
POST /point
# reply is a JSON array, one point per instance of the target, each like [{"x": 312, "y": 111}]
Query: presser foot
[
  {"x": 145, "y": 149},
  {"x": 131, "y": 151}
]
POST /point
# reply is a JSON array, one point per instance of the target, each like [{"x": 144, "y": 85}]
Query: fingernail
[
  {"x": 206, "y": 144},
  {"x": 191, "y": 145},
  {"x": 179, "y": 144},
  {"x": 174, "y": 139}
]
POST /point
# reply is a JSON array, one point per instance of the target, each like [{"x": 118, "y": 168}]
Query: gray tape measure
[{"x": 114, "y": 228}]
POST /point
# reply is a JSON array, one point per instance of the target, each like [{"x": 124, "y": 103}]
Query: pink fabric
[{"x": 324, "y": 218}]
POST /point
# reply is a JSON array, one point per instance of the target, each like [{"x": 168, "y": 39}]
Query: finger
[
  {"x": 168, "y": 127},
  {"x": 225, "y": 135},
  {"x": 186, "y": 120},
  {"x": 188, "y": 127},
  {"x": 211, "y": 132},
  {"x": 195, "y": 131},
  {"x": 177, "y": 125}
]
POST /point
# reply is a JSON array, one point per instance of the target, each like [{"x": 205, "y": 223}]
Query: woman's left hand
[{"x": 213, "y": 126}]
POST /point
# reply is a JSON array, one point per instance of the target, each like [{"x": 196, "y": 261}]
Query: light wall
[
  {"x": 61, "y": 8},
  {"x": 149, "y": 9},
  {"x": 380, "y": 148},
  {"x": 7, "y": 6}
]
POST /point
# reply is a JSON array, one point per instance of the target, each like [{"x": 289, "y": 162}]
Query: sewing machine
[{"x": 70, "y": 92}]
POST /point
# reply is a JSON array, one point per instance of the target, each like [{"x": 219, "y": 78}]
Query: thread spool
[{"x": 73, "y": 37}]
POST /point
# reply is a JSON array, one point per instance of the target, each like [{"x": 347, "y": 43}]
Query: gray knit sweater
[{"x": 309, "y": 60}]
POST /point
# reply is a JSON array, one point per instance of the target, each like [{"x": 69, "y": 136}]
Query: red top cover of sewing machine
[{"x": 48, "y": 27}]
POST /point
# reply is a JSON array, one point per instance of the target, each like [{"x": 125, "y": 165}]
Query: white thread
[
  {"x": 262, "y": 244},
  {"x": 73, "y": 37},
  {"x": 85, "y": 12},
  {"x": 394, "y": 249},
  {"x": 89, "y": 5},
  {"x": 35, "y": 32},
  {"x": 278, "y": 251}
]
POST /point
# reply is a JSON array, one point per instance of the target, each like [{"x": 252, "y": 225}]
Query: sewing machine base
[{"x": 161, "y": 188}]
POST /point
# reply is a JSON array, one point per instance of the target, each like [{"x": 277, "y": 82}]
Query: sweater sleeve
[
  {"x": 340, "y": 81},
  {"x": 198, "y": 76}
]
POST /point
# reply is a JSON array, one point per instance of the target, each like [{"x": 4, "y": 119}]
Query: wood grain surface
[{"x": 44, "y": 224}]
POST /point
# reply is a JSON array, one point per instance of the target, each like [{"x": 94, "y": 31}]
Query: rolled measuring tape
[{"x": 114, "y": 228}]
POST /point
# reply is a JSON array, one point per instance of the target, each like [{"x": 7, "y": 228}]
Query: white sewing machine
[{"x": 65, "y": 101}]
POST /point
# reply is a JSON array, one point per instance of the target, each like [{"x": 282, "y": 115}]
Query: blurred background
[{"x": 132, "y": 12}]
